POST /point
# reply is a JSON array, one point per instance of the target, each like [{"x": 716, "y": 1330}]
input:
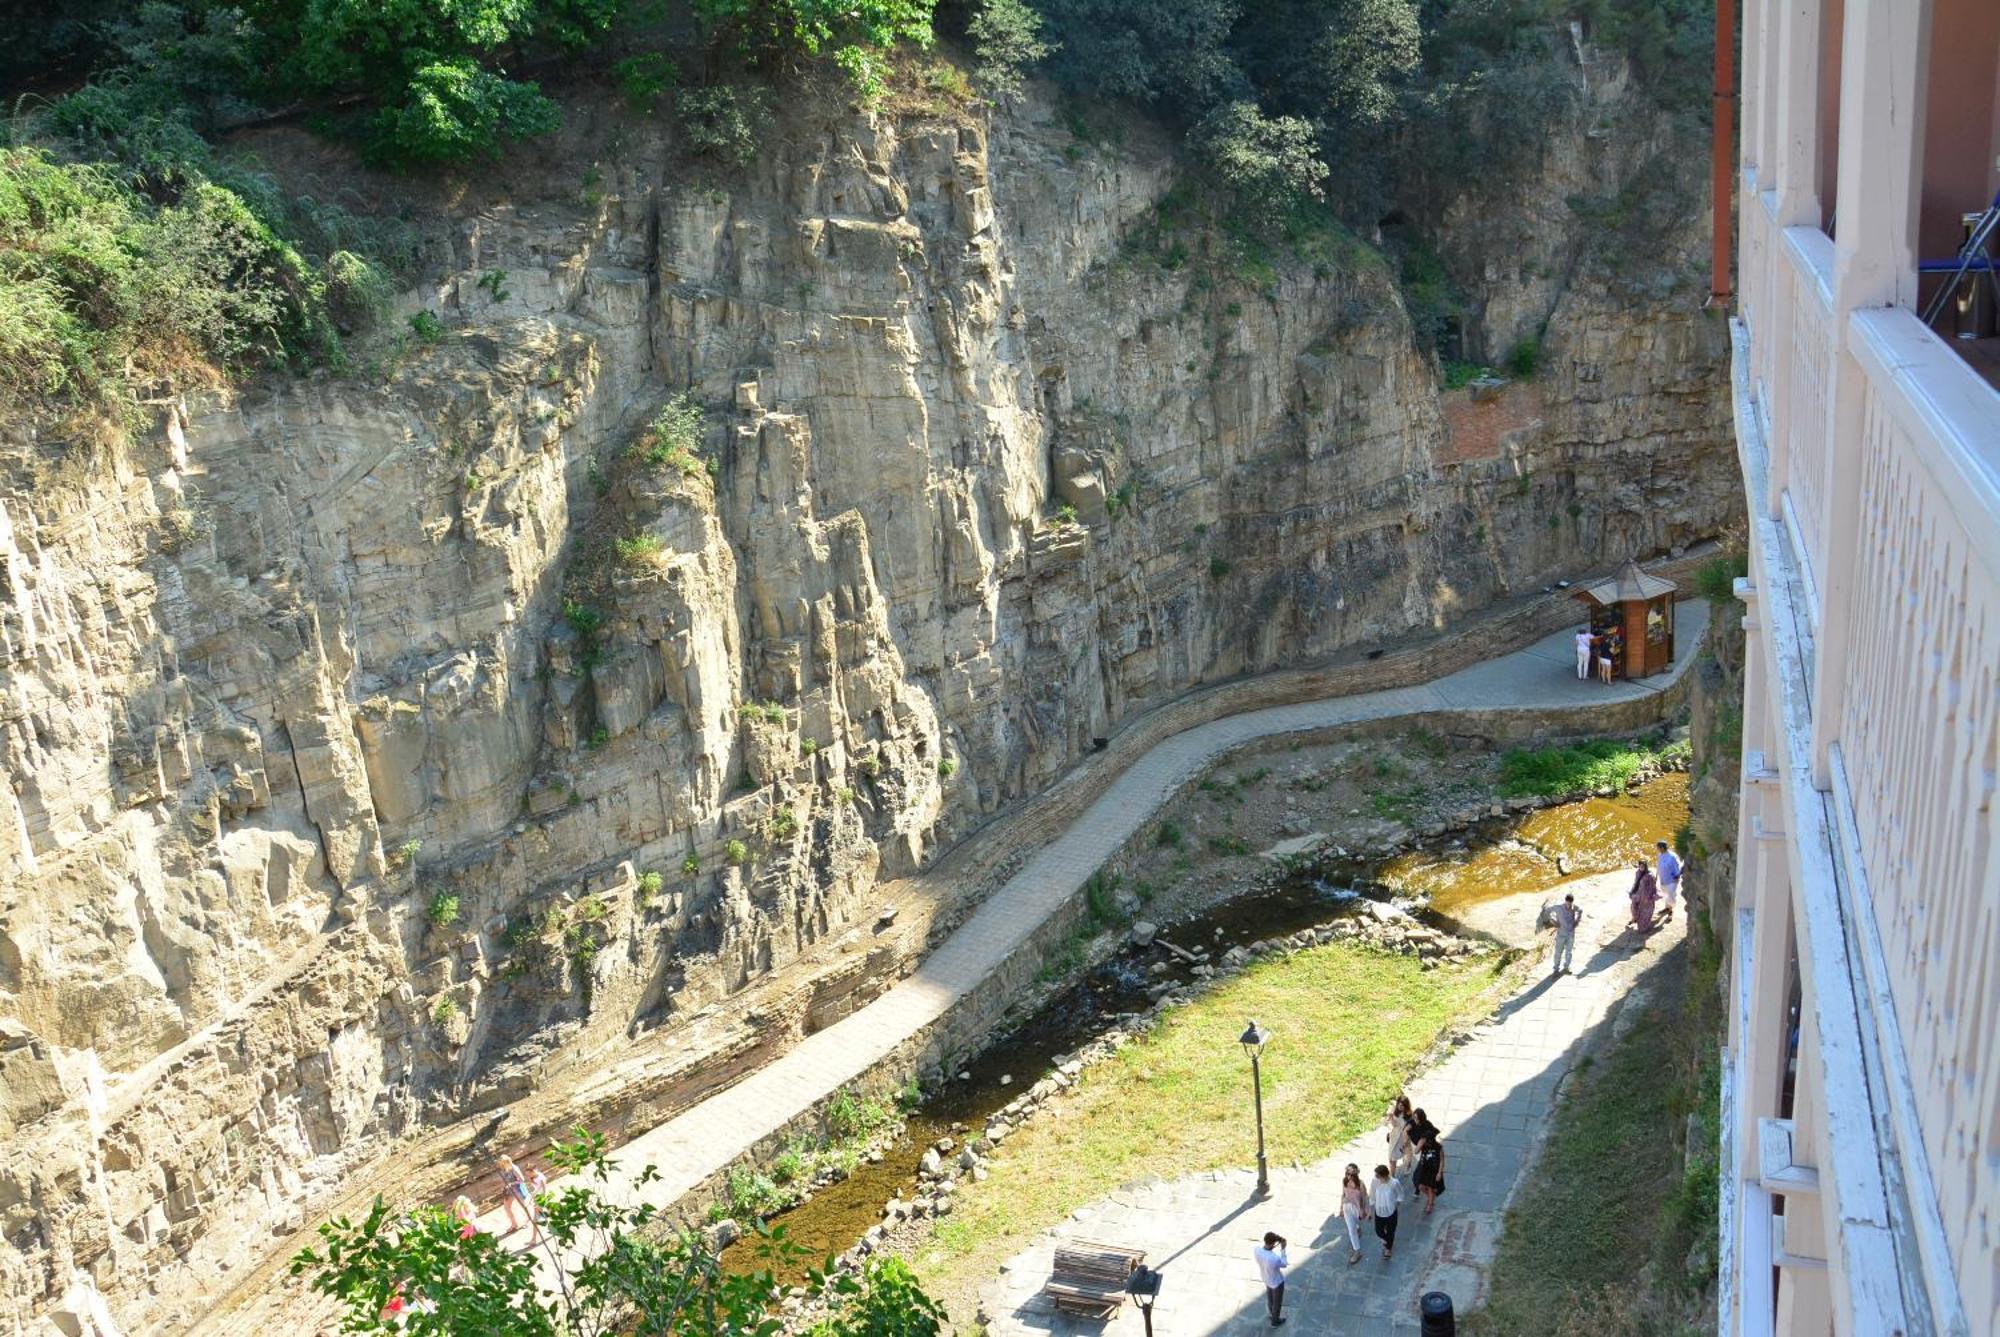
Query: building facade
[{"x": 1861, "y": 1100}]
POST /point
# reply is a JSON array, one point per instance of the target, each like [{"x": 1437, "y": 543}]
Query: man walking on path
[
  {"x": 1384, "y": 1196},
  {"x": 1567, "y": 916},
  {"x": 1670, "y": 879},
  {"x": 1271, "y": 1265},
  {"x": 1583, "y": 642}
]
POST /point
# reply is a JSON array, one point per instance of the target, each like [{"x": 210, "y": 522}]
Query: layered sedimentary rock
[{"x": 383, "y": 749}]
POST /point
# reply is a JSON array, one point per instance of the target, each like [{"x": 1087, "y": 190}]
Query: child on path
[
  {"x": 1353, "y": 1210},
  {"x": 1384, "y": 1196},
  {"x": 462, "y": 1211},
  {"x": 1271, "y": 1265}
]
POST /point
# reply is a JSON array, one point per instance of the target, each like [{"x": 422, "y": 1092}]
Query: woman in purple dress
[{"x": 1645, "y": 894}]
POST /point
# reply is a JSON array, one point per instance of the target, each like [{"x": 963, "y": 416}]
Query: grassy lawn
[
  {"x": 1612, "y": 1245},
  {"x": 1348, "y": 1024},
  {"x": 1551, "y": 772}
]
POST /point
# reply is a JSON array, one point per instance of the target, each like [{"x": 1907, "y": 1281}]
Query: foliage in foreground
[
  {"x": 621, "y": 1270},
  {"x": 1552, "y": 772}
]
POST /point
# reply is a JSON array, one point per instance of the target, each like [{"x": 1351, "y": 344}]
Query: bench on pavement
[{"x": 1089, "y": 1278}]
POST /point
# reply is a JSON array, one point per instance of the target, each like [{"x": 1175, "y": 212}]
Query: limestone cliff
[{"x": 342, "y": 732}]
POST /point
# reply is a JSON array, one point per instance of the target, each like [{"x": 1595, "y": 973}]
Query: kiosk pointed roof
[{"x": 1630, "y": 584}]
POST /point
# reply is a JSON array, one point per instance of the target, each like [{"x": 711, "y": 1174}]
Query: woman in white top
[
  {"x": 1353, "y": 1210},
  {"x": 1397, "y": 1124},
  {"x": 1384, "y": 1196}
]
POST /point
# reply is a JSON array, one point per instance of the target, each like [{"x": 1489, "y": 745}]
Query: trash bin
[{"x": 1438, "y": 1319}]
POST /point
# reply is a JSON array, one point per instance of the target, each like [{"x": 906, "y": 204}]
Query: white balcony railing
[
  {"x": 1807, "y": 280},
  {"x": 1919, "y": 744}
]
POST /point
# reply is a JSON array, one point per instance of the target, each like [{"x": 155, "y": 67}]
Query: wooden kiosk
[{"x": 1636, "y": 612}]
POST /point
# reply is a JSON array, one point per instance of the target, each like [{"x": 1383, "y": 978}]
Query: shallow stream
[{"x": 1523, "y": 853}]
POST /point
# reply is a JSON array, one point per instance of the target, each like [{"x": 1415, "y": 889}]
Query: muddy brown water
[
  {"x": 1500, "y": 858},
  {"x": 1543, "y": 849}
]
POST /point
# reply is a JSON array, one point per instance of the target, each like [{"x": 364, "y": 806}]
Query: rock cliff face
[{"x": 382, "y": 750}]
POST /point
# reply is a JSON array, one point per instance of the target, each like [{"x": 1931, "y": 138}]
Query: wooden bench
[{"x": 1089, "y": 1278}]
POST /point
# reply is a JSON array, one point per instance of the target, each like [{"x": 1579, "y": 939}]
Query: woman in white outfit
[
  {"x": 1397, "y": 1124},
  {"x": 1583, "y": 656}
]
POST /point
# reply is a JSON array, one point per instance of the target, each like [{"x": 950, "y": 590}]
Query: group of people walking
[
  {"x": 1653, "y": 898},
  {"x": 1598, "y": 654},
  {"x": 1415, "y": 1150},
  {"x": 1663, "y": 891}
]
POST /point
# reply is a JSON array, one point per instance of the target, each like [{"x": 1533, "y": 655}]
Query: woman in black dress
[{"x": 1429, "y": 1179}]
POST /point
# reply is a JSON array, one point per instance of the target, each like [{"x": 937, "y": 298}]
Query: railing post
[
  {"x": 1795, "y": 109},
  {"x": 1885, "y": 53}
]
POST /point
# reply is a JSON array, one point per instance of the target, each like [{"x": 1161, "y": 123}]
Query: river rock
[
  {"x": 931, "y": 1164},
  {"x": 722, "y": 1234},
  {"x": 1143, "y": 933},
  {"x": 967, "y": 1159}
]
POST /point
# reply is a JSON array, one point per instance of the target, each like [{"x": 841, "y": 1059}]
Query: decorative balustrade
[
  {"x": 1808, "y": 282},
  {"x": 1919, "y": 744}
]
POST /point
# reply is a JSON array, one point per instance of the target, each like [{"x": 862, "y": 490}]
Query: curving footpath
[{"x": 703, "y": 1140}]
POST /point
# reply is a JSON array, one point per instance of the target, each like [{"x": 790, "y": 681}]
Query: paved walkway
[
  {"x": 693, "y": 1145},
  {"x": 1491, "y": 1099}
]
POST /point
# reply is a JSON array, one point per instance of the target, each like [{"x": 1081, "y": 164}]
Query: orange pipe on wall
[{"x": 1722, "y": 159}]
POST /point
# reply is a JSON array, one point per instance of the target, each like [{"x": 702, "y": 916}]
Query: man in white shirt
[
  {"x": 1670, "y": 869},
  {"x": 1271, "y": 1265},
  {"x": 1567, "y": 916},
  {"x": 1583, "y": 654},
  {"x": 1384, "y": 1196}
]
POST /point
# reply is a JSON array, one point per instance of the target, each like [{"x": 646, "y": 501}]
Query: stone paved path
[
  {"x": 690, "y": 1147},
  {"x": 1491, "y": 1099}
]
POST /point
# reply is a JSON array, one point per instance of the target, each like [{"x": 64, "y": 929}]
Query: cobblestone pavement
[
  {"x": 1491, "y": 1098},
  {"x": 690, "y": 1147}
]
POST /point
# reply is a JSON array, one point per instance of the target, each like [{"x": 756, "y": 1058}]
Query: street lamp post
[
  {"x": 1253, "y": 1040},
  {"x": 1144, "y": 1286}
]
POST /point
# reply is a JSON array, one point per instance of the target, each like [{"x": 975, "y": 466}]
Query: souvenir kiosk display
[{"x": 1633, "y": 615}]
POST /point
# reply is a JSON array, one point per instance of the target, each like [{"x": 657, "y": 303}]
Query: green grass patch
[
  {"x": 1349, "y": 1024},
  {"x": 1715, "y": 579},
  {"x": 1620, "y": 1237},
  {"x": 1551, "y": 772}
]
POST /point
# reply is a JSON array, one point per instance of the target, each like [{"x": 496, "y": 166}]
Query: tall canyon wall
[{"x": 339, "y": 730}]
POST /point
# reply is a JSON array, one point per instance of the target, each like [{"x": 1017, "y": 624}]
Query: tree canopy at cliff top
[{"x": 1365, "y": 104}]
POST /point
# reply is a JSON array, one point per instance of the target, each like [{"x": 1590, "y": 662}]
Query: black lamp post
[
  {"x": 1144, "y": 1286},
  {"x": 1253, "y": 1040}
]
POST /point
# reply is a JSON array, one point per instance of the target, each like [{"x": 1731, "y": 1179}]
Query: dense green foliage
[
  {"x": 1553, "y": 772},
  {"x": 884, "y": 1301},
  {"x": 1007, "y": 37},
  {"x": 622, "y": 1271},
  {"x": 856, "y": 34},
  {"x": 101, "y": 286}
]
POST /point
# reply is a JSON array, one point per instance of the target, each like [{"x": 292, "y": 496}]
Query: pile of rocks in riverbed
[{"x": 1381, "y": 926}]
